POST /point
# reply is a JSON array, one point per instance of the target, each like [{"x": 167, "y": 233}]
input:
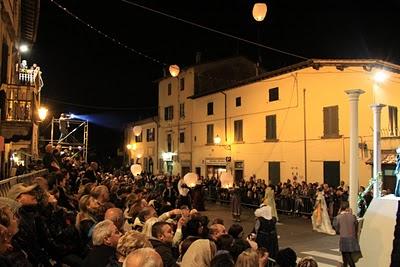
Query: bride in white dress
[{"x": 320, "y": 217}]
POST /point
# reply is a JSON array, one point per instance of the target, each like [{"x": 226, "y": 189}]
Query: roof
[
  {"x": 29, "y": 19},
  {"x": 340, "y": 64}
]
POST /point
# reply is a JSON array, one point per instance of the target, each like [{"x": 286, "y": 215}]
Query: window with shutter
[
  {"x": 238, "y": 131},
  {"x": 270, "y": 122},
  {"x": 331, "y": 122},
  {"x": 210, "y": 133},
  {"x": 393, "y": 123}
]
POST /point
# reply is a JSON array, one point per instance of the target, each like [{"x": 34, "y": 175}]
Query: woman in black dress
[{"x": 265, "y": 230}]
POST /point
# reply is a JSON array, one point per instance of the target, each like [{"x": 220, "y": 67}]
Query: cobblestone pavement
[{"x": 294, "y": 231}]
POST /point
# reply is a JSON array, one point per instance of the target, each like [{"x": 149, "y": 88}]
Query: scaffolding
[{"x": 76, "y": 140}]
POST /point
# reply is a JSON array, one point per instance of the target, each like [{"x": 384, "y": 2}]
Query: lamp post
[{"x": 354, "y": 168}]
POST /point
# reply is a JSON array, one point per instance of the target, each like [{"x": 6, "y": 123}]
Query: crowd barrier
[
  {"x": 299, "y": 205},
  {"x": 6, "y": 184}
]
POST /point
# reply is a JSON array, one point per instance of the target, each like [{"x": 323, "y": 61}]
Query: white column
[
  {"x": 354, "y": 161},
  {"x": 376, "y": 109}
]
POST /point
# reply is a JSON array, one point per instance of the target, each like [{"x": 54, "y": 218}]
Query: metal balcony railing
[{"x": 6, "y": 184}]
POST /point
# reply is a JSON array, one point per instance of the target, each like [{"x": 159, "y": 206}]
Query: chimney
[{"x": 198, "y": 57}]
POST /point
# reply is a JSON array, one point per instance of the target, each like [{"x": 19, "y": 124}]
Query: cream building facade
[{"x": 289, "y": 122}]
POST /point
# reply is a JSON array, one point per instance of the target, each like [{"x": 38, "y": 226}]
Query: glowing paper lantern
[
  {"x": 136, "y": 169},
  {"x": 174, "y": 70},
  {"x": 226, "y": 180},
  {"x": 259, "y": 11},
  {"x": 137, "y": 130},
  {"x": 190, "y": 179},
  {"x": 139, "y": 152}
]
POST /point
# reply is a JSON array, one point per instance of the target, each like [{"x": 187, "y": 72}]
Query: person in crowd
[
  {"x": 320, "y": 217},
  {"x": 143, "y": 257},
  {"x": 346, "y": 225},
  {"x": 105, "y": 239},
  {"x": 251, "y": 258},
  {"x": 184, "y": 196},
  {"x": 169, "y": 194},
  {"x": 269, "y": 200},
  {"x": 199, "y": 253},
  {"x": 162, "y": 242},
  {"x": 28, "y": 239},
  {"x": 286, "y": 258},
  {"x": 239, "y": 244},
  {"x": 215, "y": 231},
  {"x": 128, "y": 243},
  {"x": 116, "y": 216},
  {"x": 49, "y": 159},
  {"x": 222, "y": 260},
  {"x": 265, "y": 230},
  {"x": 91, "y": 172},
  {"x": 198, "y": 196},
  {"x": 87, "y": 218},
  {"x": 307, "y": 262},
  {"x": 235, "y": 203}
]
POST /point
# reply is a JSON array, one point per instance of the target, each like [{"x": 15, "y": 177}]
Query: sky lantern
[
  {"x": 226, "y": 180},
  {"x": 136, "y": 169},
  {"x": 137, "y": 130},
  {"x": 190, "y": 179},
  {"x": 259, "y": 11},
  {"x": 174, "y": 70}
]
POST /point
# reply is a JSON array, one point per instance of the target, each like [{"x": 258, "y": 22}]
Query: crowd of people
[{"x": 79, "y": 215}]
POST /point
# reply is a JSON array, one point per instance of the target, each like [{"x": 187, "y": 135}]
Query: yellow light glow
[
  {"x": 129, "y": 146},
  {"x": 380, "y": 76},
  {"x": 217, "y": 140},
  {"x": 42, "y": 111}
]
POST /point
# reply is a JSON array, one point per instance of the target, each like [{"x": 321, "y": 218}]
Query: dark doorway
[
  {"x": 332, "y": 173},
  {"x": 389, "y": 178},
  {"x": 274, "y": 172},
  {"x": 238, "y": 176},
  {"x": 198, "y": 171}
]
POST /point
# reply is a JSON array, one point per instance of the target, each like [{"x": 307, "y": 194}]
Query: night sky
[{"x": 88, "y": 74}]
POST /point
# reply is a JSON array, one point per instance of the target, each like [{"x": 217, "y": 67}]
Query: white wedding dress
[{"x": 320, "y": 217}]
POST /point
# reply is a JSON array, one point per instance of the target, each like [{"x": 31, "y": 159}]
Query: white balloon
[
  {"x": 137, "y": 130},
  {"x": 190, "y": 179},
  {"x": 136, "y": 169},
  {"x": 226, "y": 180}
]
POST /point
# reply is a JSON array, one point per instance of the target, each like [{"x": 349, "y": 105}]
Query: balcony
[{"x": 18, "y": 102}]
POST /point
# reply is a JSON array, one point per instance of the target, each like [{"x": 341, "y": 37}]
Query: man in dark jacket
[
  {"x": 105, "y": 239},
  {"x": 162, "y": 242}
]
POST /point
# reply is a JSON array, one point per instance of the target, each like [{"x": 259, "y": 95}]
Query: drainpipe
[
  {"x": 226, "y": 137},
  {"x": 305, "y": 134}
]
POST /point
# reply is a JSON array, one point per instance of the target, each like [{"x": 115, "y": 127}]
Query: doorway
[{"x": 332, "y": 173}]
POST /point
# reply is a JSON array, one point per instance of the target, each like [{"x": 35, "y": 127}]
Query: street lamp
[
  {"x": 42, "y": 111},
  {"x": 23, "y": 48}
]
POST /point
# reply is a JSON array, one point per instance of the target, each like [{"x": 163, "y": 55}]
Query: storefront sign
[{"x": 216, "y": 161}]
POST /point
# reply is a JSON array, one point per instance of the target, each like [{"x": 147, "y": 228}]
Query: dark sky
[{"x": 84, "y": 69}]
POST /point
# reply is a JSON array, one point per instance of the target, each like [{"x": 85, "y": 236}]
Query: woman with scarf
[
  {"x": 320, "y": 217},
  {"x": 199, "y": 254},
  {"x": 265, "y": 230}
]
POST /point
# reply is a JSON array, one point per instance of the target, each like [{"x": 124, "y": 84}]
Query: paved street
[{"x": 294, "y": 232}]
